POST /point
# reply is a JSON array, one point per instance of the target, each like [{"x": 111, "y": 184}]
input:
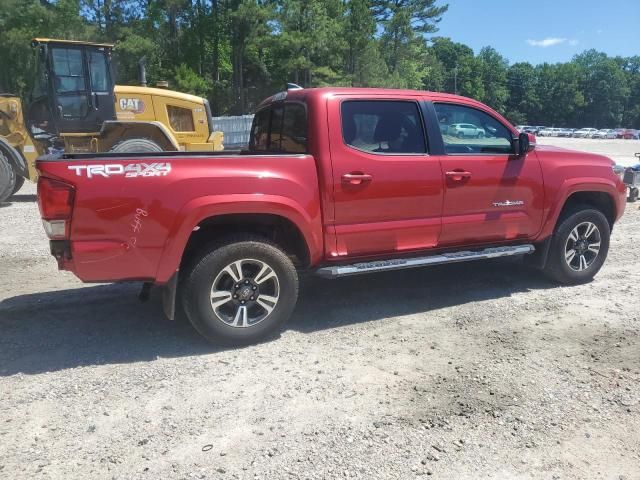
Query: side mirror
[{"x": 525, "y": 143}]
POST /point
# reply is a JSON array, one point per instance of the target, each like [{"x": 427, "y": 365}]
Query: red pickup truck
[{"x": 337, "y": 181}]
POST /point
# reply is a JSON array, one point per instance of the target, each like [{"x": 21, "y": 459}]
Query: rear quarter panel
[{"x": 136, "y": 227}]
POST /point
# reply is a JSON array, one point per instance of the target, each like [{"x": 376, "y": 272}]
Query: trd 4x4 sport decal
[{"x": 132, "y": 170}]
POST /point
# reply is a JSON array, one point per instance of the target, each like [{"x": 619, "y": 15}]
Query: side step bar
[{"x": 400, "y": 263}]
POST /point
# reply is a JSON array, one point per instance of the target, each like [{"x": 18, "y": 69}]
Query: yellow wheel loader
[{"x": 75, "y": 107}]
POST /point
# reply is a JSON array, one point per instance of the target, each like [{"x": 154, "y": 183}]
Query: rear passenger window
[
  {"x": 294, "y": 129},
  {"x": 275, "y": 131},
  {"x": 383, "y": 126},
  {"x": 467, "y": 131},
  {"x": 259, "y": 140},
  {"x": 280, "y": 128}
]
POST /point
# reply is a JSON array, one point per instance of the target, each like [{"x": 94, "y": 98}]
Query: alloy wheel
[
  {"x": 582, "y": 246},
  {"x": 245, "y": 292}
]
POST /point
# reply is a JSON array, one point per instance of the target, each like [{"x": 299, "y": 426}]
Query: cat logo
[{"x": 134, "y": 105}]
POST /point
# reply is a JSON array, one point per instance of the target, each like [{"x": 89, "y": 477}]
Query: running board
[{"x": 400, "y": 263}]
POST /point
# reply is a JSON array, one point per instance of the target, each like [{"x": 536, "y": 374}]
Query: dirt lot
[{"x": 482, "y": 370}]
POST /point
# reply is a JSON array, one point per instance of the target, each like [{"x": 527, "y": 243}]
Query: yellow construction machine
[{"x": 76, "y": 108}]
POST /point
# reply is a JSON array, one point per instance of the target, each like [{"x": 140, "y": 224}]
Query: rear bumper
[{"x": 61, "y": 250}]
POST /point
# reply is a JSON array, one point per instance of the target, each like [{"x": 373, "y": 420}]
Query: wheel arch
[
  {"x": 279, "y": 229},
  {"x": 114, "y": 131},
  {"x": 277, "y": 218},
  {"x": 599, "y": 200},
  {"x": 596, "y": 192}
]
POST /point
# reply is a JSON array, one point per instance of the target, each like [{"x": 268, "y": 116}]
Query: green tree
[
  {"x": 405, "y": 24},
  {"x": 522, "y": 101},
  {"x": 605, "y": 89},
  {"x": 561, "y": 97},
  {"x": 493, "y": 68}
]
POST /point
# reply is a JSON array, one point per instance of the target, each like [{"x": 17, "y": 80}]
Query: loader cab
[{"x": 74, "y": 88}]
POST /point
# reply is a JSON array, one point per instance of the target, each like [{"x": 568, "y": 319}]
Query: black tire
[
  {"x": 558, "y": 266},
  {"x": 7, "y": 179},
  {"x": 136, "y": 145},
  {"x": 633, "y": 194},
  {"x": 210, "y": 267},
  {"x": 18, "y": 185}
]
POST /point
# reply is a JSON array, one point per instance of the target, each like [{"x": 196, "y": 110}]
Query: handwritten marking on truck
[{"x": 136, "y": 226}]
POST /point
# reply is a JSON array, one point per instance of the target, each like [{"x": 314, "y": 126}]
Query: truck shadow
[{"x": 106, "y": 324}]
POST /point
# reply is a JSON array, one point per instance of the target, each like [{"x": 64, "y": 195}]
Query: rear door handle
[
  {"x": 356, "y": 178},
  {"x": 458, "y": 175}
]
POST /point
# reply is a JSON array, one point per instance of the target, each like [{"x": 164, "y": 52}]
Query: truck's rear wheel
[
  {"x": 579, "y": 246},
  {"x": 240, "y": 291},
  {"x": 136, "y": 145},
  {"x": 7, "y": 179}
]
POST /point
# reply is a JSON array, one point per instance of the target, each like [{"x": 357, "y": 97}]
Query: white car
[
  {"x": 585, "y": 132},
  {"x": 462, "y": 130},
  {"x": 549, "y": 132},
  {"x": 613, "y": 133},
  {"x": 601, "y": 133}
]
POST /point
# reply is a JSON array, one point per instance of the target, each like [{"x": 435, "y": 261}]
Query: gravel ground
[{"x": 480, "y": 370}]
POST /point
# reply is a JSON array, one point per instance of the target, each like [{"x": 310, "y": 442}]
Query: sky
[{"x": 540, "y": 31}]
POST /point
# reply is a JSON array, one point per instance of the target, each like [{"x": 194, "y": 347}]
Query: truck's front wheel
[
  {"x": 579, "y": 246},
  {"x": 240, "y": 291}
]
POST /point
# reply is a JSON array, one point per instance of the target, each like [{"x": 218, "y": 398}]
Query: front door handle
[
  {"x": 356, "y": 178},
  {"x": 458, "y": 175}
]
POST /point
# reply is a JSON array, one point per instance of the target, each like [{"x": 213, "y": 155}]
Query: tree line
[{"x": 237, "y": 52}]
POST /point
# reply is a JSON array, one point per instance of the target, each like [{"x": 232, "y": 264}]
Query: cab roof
[
  {"x": 38, "y": 41},
  {"x": 303, "y": 93},
  {"x": 306, "y": 94}
]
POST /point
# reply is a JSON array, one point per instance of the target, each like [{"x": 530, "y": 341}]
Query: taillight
[{"x": 55, "y": 201}]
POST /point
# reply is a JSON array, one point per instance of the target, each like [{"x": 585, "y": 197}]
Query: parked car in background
[
  {"x": 602, "y": 133},
  {"x": 629, "y": 134},
  {"x": 549, "y": 132},
  {"x": 566, "y": 132},
  {"x": 531, "y": 129},
  {"x": 521, "y": 128},
  {"x": 462, "y": 130},
  {"x": 585, "y": 132},
  {"x": 614, "y": 133}
]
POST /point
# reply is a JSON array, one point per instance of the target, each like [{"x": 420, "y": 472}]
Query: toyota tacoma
[{"x": 335, "y": 181}]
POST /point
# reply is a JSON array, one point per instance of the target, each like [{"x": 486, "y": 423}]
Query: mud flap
[
  {"x": 169, "y": 297},
  {"x": 538, "y": 259}
]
